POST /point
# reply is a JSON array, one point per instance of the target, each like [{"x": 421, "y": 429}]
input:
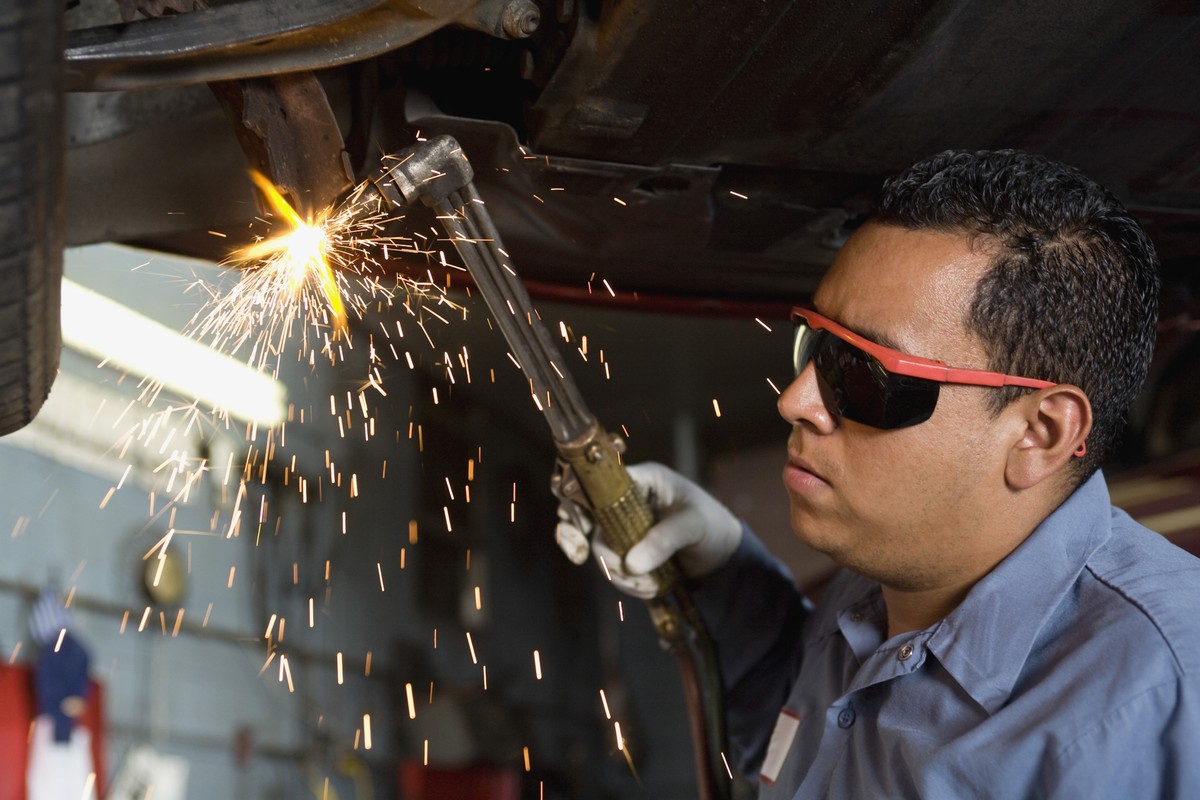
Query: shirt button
[
  {"x": 905, "y": 653},
  {"x": 845, "y": 717}
]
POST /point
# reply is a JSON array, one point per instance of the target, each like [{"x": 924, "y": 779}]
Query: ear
[{"x": 1053, "y": 426}]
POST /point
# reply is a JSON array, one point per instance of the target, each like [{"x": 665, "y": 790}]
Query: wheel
[{"x": 31, "y": 205}]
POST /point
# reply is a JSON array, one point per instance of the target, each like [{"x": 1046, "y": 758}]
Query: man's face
[{"x": 903, "y": 506}]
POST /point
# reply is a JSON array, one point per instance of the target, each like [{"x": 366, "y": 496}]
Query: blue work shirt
[{"x": 1072, "y": 669}]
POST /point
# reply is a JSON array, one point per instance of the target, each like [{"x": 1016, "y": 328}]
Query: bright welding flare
[{"x": 299, "y": 252}]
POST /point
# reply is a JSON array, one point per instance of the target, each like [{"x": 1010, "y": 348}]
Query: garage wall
[{"x": 196, "y": 690}]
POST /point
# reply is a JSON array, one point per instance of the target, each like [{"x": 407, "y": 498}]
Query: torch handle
[{"x": 616, "y": 505}]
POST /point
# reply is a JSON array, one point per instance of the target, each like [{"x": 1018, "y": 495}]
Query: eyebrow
[
  {"x": 879, "y": 338},
  {"x": 869, "y": 333}
]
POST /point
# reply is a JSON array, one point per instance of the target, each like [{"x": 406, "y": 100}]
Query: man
[{"x": 999, "y": 630}]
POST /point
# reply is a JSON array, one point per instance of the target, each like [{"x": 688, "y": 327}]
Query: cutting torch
[{"x": 589, "y": 473}]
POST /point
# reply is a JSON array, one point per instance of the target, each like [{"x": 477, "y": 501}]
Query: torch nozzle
[{"x": 428, "y": 172}]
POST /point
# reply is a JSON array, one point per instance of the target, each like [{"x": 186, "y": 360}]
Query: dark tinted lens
[
  {"x": 910, "y": 401},
  {"x": 857, "y": 387}
]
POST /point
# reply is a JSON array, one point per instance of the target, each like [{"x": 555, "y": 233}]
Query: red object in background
[
  {"x": 17, "y": 707},
  {"x": 419, "y": 782}
]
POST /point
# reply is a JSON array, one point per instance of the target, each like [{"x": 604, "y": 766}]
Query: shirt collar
[{"x": 980, "y": 643}]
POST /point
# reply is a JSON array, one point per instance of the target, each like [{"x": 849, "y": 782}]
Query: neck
[
  {"x": 918, "y": 609},
  {"x": 994, "y": 537}
]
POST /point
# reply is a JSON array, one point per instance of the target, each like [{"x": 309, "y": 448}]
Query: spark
[
  {"x": 625, "y": 751},
  {"x": 286, "y": 671},
  {"x": 22, "y": 523}
]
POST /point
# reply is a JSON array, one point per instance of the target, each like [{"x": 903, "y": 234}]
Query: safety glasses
[{"x": 875, "y": 385}]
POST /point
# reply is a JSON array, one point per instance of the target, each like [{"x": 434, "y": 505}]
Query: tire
[{"x": 31, "y": 205}]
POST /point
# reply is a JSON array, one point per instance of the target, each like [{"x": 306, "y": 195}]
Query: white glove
[{"x": 693, "y": 526}]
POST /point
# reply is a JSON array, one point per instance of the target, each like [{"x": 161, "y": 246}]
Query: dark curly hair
[{"x": 1072, "y": 293}]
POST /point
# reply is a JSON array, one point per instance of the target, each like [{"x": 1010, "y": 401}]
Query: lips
[
  {"x": 800, "y": 463},
  {"x": 801, "y": 477}
]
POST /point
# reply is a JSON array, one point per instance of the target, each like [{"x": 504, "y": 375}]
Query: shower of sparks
[{"x": 309, "y": 279}]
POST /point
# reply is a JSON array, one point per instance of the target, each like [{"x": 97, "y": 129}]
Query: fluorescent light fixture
[{"x": 98, "y": 326}]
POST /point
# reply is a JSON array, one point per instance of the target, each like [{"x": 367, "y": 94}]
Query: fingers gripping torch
[{"x": 588, "y": 470}]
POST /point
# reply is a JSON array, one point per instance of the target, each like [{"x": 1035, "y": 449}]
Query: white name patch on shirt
[{"x": 781, "y": 742}]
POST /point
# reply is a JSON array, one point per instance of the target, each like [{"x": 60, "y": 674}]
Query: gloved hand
[{"x": 692, "y": 526}]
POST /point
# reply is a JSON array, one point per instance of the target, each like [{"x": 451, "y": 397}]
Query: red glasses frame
[{"x": 915, "y": 366}]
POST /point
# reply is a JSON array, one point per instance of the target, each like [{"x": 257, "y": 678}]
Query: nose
[{"x": 801, "y": 402}]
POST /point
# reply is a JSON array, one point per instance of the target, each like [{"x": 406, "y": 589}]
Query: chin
[
  {"x": 840, "y": 543},
  {"x": 817, "y": 533}
]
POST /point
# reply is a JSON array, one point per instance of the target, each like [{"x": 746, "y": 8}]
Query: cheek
[{"x": 908, "y": 479}]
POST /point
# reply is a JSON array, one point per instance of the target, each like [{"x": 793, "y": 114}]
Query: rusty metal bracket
[{"x": 288, "y": 132}]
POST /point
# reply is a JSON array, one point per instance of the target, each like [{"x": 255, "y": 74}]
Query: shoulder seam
[{"x": 1179, "y": 667}]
